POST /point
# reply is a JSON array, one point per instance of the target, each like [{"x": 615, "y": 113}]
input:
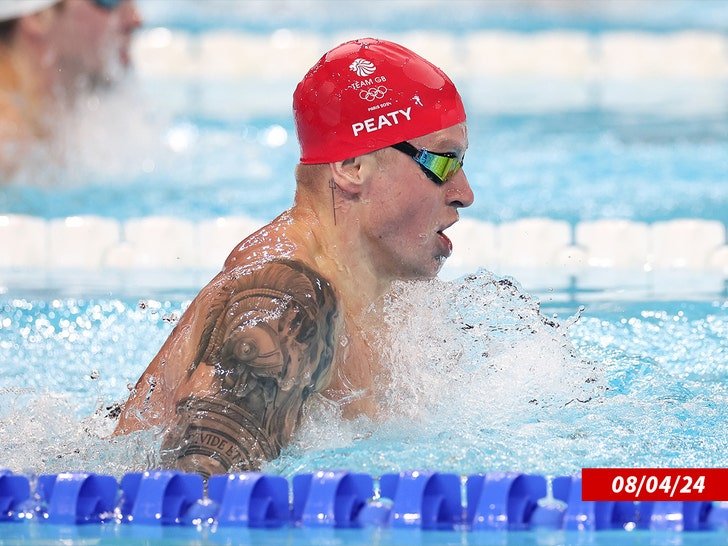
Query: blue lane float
[
  {"x": 512, "y": 502},
  {"x": 250, "y": 500},
  {"x": 14, "y": 493},
  {"x": 159, "y": 497},
  {"x": 330, "y": 499},
  {"x": 426, "y": 500},
  {"x": 74, "y": 498},
  {"x": 336, "y": 499},
  {"x": 672, "y": 516},
  {"x": 680, "y": 516}
]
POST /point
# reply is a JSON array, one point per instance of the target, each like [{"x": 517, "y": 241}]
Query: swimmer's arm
[
  {"x": 266, "y": 346},
  {"x": 151, "y": 402}
]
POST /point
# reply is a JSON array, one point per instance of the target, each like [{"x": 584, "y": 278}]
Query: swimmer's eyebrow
[{"x": 449, "y": 145}]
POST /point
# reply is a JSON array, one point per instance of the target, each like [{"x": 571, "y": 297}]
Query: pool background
[
  {"x": 121, "y": 535},
  {"x": 575, "y": 117},
  {"x": 126, "y": 536},
  {"x": 577, "y": 111},
  {"x": 264, "y": 16},
  {"x": 610, "y": 111}
]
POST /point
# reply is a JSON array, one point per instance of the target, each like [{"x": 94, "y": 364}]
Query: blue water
[
  {"x": 661, "y": 366},
  {"x": 12, "y": 534},
  {"x": 646, "y": 150},
  {"x": 630, "y": 383},
  {"x": 462, "y": 15},
  {"x": 572, "y": 166}
]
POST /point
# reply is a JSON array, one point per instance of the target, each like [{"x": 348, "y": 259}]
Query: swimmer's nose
[{"x": 458, "y": 192}]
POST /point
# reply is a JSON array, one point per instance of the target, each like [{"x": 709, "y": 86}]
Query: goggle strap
[
  {"x": 423, "y": 158},
  {"x": 406, "y": 148}
]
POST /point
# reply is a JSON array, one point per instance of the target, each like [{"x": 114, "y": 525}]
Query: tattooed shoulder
[{"x": 267, "y": 344}]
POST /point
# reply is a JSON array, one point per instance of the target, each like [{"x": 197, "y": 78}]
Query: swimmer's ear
[{"x": 349, "y": 175}]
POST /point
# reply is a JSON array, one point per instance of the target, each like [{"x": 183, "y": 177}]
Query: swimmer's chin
[
  {"x": 440, "y": 262},
  {"x": 432, "y": 272}
]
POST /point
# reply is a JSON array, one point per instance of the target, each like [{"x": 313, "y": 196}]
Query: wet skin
[
  {"x": 267, "y": 345},
  {"x": 293, "y": 312}
]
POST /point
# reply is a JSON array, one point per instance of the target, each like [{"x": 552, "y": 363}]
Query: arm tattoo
[{"x": 269, "y": 338}]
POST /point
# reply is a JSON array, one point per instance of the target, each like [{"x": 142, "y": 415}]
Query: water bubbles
[
  {"x": 159, "y": 37},
  {"x": 491, "y": 365},
  {"x": 42, "y": 434},
  {"x": 182, "y": 137},
  {"x": 171, "y": 318},
  {"x": 69, "y": 355},
  {"x": 152, "y": 305},
  {"x": 478, "y": 379},
  {"x": 274, "y": 136}
]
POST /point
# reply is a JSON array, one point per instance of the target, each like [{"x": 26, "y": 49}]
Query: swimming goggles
[
  {"x": 107, "y": 4},
  {"x": 437, "y": 167}
]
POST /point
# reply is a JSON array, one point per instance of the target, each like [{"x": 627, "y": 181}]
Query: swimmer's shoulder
[{"x": 280, "y": 240}]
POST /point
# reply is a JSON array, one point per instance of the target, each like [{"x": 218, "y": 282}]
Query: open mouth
[{"x": 447, "y": 243}]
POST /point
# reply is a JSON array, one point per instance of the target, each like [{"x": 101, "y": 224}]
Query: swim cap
[
  {"x": 368, "y": 94},
  {"x": 12, "y": 9}
]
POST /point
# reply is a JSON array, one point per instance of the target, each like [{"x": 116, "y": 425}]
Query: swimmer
[
  {"x": 383, "y": 136},
  {"x": 51, "y": 53}
]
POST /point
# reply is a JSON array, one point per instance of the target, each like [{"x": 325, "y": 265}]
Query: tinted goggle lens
[
  {"x": 443, "y": 166},
  {"x": 438, "y": 167}
]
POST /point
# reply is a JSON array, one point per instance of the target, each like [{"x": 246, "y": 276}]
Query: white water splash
[
  {"x": 43, "y": 435},
  {"x": 469, "y": 363},
  {"x": 479, "y": 380}
]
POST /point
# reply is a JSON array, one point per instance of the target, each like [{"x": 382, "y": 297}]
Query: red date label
[{"x": 654, "y": 484}]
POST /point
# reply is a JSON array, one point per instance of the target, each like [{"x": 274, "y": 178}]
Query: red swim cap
[{"x": 368, "y": 94}]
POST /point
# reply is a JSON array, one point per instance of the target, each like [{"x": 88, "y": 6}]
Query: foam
[
  {"x": 480, "y": 379},
  {"x": 43, "y": 434}
]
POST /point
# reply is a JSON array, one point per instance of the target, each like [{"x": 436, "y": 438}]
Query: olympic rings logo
[{"x": 373, "y": 93}]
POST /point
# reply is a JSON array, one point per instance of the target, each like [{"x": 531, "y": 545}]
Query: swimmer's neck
[{"x": 339, "y": 249}]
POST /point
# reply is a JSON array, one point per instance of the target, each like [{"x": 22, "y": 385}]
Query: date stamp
[{"x": 654, "y": 484}]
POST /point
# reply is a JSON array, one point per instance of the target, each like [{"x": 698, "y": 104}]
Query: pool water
[
  {"x": 573, "y": 166},
  {"x": 499, "y": 384},
  {"x": 564, "y": 143},
  {"x": 112, "y": 535},
  {"x": 484, "y": 376}
]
